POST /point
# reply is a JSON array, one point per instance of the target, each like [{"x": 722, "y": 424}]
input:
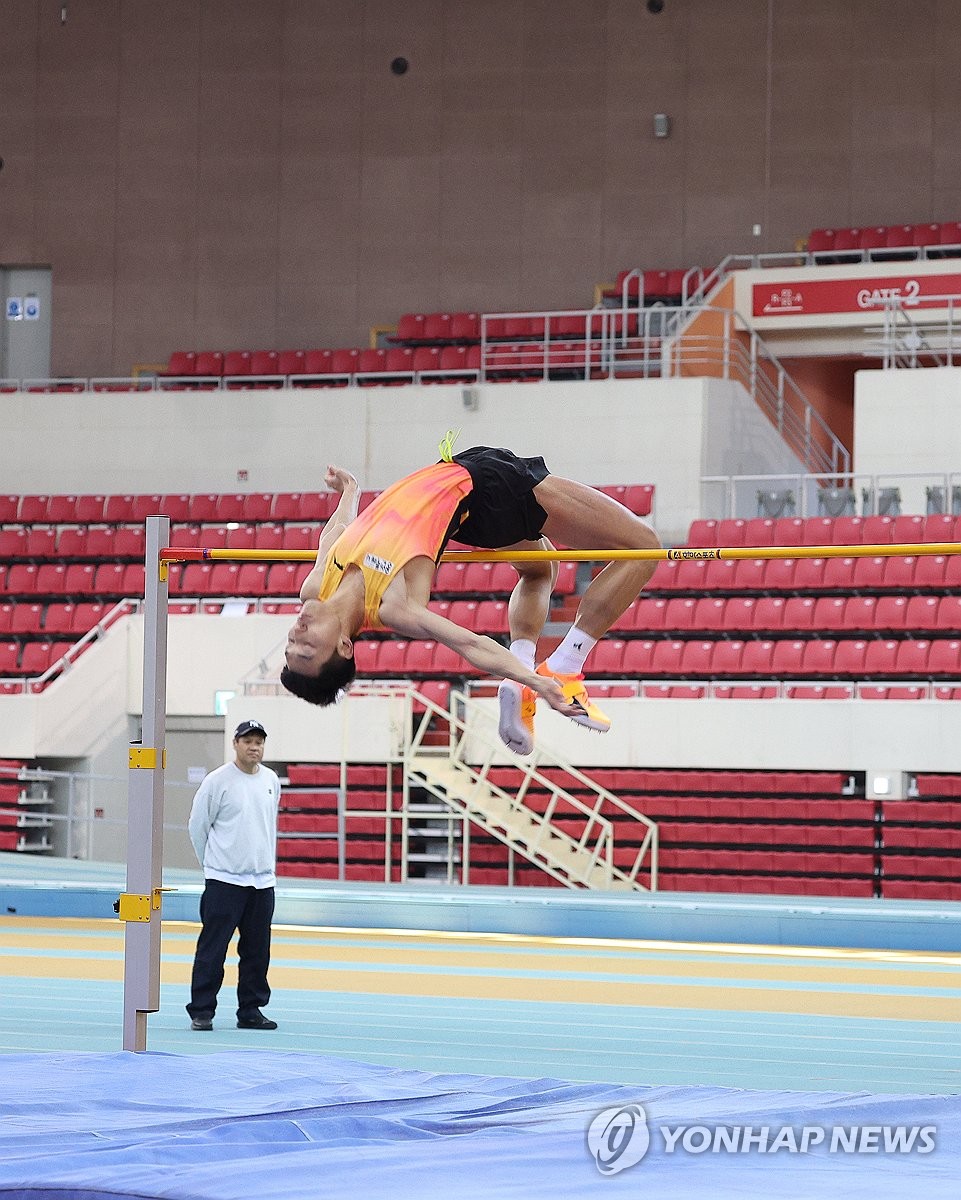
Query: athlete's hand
[
  {"x": 553, "y": 693},
  {"x": 339, "y": 480}
]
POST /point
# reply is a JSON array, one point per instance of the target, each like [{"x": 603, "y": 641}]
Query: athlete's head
[{"x": 320, "y": 658}]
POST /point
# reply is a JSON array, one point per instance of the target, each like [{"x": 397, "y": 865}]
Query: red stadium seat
[
  {"x": 727, "y": 657},
  {"x": 410, "y": 329},
  {"x": 760, "y": 531},
  {"x": 818, "y": 657},
  {"x": 731, "y": 531},
  {"x": 41, "y": 542},
  {"x": 923, "y": 612},
  {"x": 33, "y": 509},
  {"x": 899, "y": 572},
  {"x": 779, "y": 574},
  {"x": 861, "y": 612},
  {"x": 949, "y": 614},
  {"x": 944, "y": 657},
  {"x": 696, "y": 658},
  {"x": 820, "y": 244},
  {"x": 839, "y": 573},
  {"x": 251, "y": 579},
  {"x": 869, "y": 573},
  {"x": 26, "y": 618},
  {"x": 788, "y": 531},
  {"x": 756, "y": 658},
  {"x": 929, "y": 571},
  {"x": 847, "y": 531},
  {"x": 50, "y": 579},
  {"x": 809, "y": 574},
  {"x": 880, "y": 658},
  {"x": 786, "y": 658},
  {"x": 703, "y": 532},
  {"x": 465, "y": 327},
  {"x": 769, "y": 614},
  {"x": 912, "y": 657},
  {"x": 61, "y": 510},
  {"x": 877, "y": 531},
  {"x": 829, "y": 612},
  {"x": 291, "y": 362},
  {"x": 799, "y": 612},
  {"x": 209, "y": 362}
]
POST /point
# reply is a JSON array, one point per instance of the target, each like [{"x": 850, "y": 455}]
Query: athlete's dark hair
[{"x": 324, "y": 688}]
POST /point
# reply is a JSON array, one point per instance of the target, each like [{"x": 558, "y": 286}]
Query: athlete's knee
[{"x": 648, "y": 539}]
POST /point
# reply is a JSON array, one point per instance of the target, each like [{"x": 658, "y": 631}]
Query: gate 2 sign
[{"x": 801, "y": 298}]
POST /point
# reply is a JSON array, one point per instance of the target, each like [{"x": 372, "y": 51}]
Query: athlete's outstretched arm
[
  {"x": 338, "y": 480},
  {"x": 415, "y": 621}
]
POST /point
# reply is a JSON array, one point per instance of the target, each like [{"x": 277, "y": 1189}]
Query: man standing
[{"x": 233, "y": 828}]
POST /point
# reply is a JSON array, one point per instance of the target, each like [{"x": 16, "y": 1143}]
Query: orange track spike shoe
[
  {"x": 516, "y": 722},
  {"x": 587, "y": 713}
]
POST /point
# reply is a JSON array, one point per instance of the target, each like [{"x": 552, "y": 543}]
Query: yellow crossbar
[{"x": 678, "y": 554}]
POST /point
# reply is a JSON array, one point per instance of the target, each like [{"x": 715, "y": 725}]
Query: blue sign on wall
[{"x": 14, "y": 308}]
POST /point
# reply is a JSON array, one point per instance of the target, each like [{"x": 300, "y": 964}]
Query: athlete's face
[{"x": 313, "y": 638}]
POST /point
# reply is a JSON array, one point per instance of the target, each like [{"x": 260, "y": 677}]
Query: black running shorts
[{"x": 501, "y": 508}]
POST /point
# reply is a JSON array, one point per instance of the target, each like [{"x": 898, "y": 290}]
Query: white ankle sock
[
  {"x": 568, "y": 658},
  {"x": 525, "y": 651}
]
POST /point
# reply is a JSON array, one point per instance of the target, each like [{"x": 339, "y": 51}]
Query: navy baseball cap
[{"x": 246, "y": 727}]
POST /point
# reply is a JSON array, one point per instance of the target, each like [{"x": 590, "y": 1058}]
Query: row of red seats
[
  {"x": 688, "y": 784},
  {"x": 758, "y": 691},
  {"x": 30, "y": 658},
  {"x": 922, "y": 839},
  {"x": 884, "y": 241},
  {"x": 781, "y": 885},
  {"x": 795, "y": 862},
  {"x": 322, "y": 367},
  {"x": 919, "y": 865},
  {"x": 923, "y": 572},
  {"x": 437, "y": 328},
  {"x": 776, "y": 614},
  {"x": 790, "y": 658},
  {"x": 128, "y": 541},
  {"x": 824, "y": 531},
  {"x": 654, "y": 286},
  {"x": 211, "y": 507},
  {"x": 60, "y": 619},
  {"x": 746, "y": 833},
  {"x": 188, "y": 511},
  {"x": 920, "y": 889},
  {"x": 240, "y": 579},
  {"x": 929, "y": 784},
  {"x": 780, "y": 811}
]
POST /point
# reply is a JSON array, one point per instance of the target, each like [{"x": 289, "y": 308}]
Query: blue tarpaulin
[{"x": 278, "y": 1126}]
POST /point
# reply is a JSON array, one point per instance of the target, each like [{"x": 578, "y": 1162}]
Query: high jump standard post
[{"x": 140, "y": 906}]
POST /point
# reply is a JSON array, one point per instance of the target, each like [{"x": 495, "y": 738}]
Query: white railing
[
  {"x": 910, "y": 338},
  {"x": 830, "y": 494}
]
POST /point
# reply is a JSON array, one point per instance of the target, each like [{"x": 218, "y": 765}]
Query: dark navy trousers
[{"x": 224, "y": 908}]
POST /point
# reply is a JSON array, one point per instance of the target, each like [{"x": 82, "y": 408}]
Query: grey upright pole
[{"x": 139, "y": 907}]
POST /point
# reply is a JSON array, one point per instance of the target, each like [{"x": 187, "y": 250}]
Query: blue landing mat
[{"x": 282, "y": 1126}]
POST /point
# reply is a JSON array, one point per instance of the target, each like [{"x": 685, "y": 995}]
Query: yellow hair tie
[{"x": 446, "y": 445}]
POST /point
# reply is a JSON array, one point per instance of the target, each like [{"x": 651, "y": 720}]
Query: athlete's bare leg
[{"x": 583, "y": 518}]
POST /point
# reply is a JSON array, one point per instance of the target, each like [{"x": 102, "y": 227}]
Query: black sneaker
[
  {"x": 202, "y": 1024},
  {"x": 256, "y": 1020}
]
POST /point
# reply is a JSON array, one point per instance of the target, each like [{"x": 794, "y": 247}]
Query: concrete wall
[
  {"x": 665, "y": 432},
  {"x": 235, "y": 173}
]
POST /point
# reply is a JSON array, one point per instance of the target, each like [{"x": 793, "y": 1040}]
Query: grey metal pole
[{"x": 140, "y": 907}]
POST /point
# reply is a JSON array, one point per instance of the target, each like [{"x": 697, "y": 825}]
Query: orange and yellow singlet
[{"x": 410, "y": 519}]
